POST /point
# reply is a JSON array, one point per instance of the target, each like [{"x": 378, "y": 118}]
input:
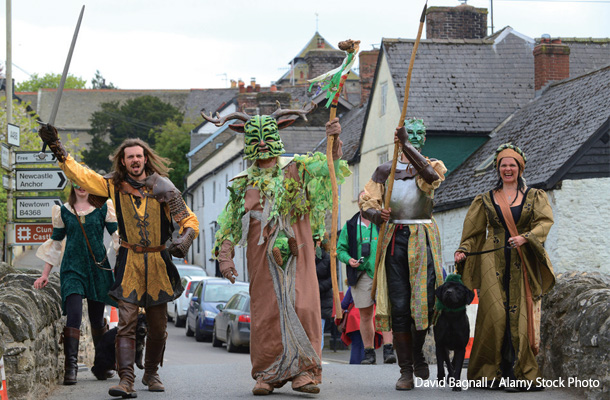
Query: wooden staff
[
  {"x": 401, "y": 123},
  {"x": 351, "y": 47}
]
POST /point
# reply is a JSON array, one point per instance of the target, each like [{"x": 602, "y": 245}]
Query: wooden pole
[
  {"x": 335, "y": 211},
  {"x": 401, "y": 123}
]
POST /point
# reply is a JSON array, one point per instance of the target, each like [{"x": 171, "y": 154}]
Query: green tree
[
  {"x": 98, "y": 82},
  {"x": 173, "y": 142},
  {"x": 49, "y": 81},
  {"x": 28, "y": 141},
  {"x": 141, "y": 117}
]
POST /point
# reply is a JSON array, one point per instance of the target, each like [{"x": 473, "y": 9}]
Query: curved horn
[
  {"x": 302, "y": 112},
  {"x": 220, "y": 121}
]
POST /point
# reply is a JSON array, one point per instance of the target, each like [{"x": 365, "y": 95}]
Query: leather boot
[
  {"x": 70, "y": 338},
  {"x": 96, "y": 335},
  {"x": 152, "y": 359},
  {"x": 420, "y": 367},
  {"x": 125, "y": 357},
  {"x": 388, "y": 354},
  {"x": 370, "y": 357},
  {"x": 403, "y": 344}
]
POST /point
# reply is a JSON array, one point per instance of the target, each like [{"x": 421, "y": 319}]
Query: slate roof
[
  {"x": 209, "y": 99},
  {"x": 587, "y": 54},
  {"x": 302, "y": 139},
  {"x": 352, "y": 127},
  {"x": 550, "y": 130},
  {"x": 77, "y": 105},
  {"x": 467, "y": 85}
]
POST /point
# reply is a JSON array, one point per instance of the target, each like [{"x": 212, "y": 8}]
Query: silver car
[{"x": 176, "y": 309}]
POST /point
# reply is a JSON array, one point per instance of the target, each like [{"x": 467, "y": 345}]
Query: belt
[
  {"x": 410, "y": 221},
  {"x": 138, "y": 248}
]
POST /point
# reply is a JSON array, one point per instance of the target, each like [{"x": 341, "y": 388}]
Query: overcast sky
[{"x": 184, "y": 44}]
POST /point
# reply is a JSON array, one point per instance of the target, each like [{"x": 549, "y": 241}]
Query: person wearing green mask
[
  {"x": 276, "y": 209},
  {"x": 410, "y": 266}
]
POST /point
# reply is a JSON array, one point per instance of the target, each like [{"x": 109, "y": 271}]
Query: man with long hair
[{"x": 146, "y": 202}]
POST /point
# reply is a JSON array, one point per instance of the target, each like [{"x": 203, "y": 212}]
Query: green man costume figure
[
  {"x": 410, "y": 266},
  {"x": 276, "y": 207}
]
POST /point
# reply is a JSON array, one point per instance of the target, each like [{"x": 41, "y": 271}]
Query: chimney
[
  {"x": 368, "y": 65},
  {"x": 242, "y": 86},
  {"x": 253, "y": 82},
  {"x": 273, "y": 87},
  {"x": 551, "y": 61},
  {"x": 233, "y": 84},
  {"x": 461, "y": 22}
]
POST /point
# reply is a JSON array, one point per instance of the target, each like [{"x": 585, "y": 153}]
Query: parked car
[
  {"x": 203, "y": 306},
  {"x": 191, "y": 270},
  {"x": 176, "y": 309},
  {"x": 232, "y": 324}
]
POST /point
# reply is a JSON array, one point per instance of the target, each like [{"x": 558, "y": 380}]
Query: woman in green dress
[
  {"x": 82, "y": 274},
  {"x": 515, "y": 221}
]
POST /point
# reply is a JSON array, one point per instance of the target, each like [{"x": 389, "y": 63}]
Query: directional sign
[
  {"x": 6, "y": 164},
  {"x": 13, "y": 134},
  {"x": 35, "y": 207},
  {"x": 24, "y": 234},
  {"x": 5, "y": 182},
  {"x": 31, "y": 157},
  {"x": 37, "y": 180}
]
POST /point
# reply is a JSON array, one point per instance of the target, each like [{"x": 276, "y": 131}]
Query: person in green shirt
[{"x": 356, "y": 248}]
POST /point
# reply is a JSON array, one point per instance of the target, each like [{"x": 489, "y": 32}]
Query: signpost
[
  {"x": 6, "y": 162},
  {"x": 35, "y": 207},
  {"x": 30, "y": 233},
  {"x": 38, "y": 180},
  {"x": 32, "y": 157},
  {"x": 13, "y": 134}
]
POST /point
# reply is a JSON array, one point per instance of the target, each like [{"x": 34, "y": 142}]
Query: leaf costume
[{"x": 267, "y": 208}]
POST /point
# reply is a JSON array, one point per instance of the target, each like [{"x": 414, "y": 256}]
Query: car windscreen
[
  {"x": 221, "y": 293},
  {"x": 193, "y": 271}
]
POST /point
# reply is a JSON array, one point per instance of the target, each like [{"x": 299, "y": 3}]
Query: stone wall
[
  {"x": 30, "y": 328},
  {"x": 575, "y": 331}
]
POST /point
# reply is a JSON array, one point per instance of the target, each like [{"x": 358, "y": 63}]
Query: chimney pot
[
  {"x": 233, "y": 84},
  {"x": 273, "y": 88}
]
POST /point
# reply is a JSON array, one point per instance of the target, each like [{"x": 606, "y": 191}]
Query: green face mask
[
  {"x": 416, "y": 131},
  {"x": 262, "y": 138}
]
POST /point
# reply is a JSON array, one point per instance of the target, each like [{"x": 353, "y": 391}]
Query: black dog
[
  {"x": 452, "y": 330},
  {"x": 105, "y": 356}
]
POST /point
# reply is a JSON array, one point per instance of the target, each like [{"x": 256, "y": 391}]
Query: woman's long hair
[
  {"x": 520, "y": 181},
  {"x": 154, "y": 162}
]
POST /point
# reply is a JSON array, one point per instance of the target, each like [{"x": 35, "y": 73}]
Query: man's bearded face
[
  {"x": 262, "y": 138},
  {"x": 417, "y": 132},
  {"x": 134, "y": 161}
]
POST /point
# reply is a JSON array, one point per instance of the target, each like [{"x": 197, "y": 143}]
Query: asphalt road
[{"x": 193, "y": 370}]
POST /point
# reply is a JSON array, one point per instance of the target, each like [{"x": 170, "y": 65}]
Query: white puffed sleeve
[{"x": 51, "y": 251}]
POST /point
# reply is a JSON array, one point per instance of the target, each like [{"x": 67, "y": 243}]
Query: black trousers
[
  {"x": 398, "y": 275},
  {"x": 74, "y": 312}
]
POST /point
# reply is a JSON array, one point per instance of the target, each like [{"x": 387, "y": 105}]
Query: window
[
  {"x": 198, "y": 245},
  {"x": 214, "y": 192},
  {"x": 202, "y": 196},
  {"x": 355, "y": 182},
  {"x": 384, "y": 98},
  {"x": 226, "y": 185},
  {"x": 485, "y": 165},
  {"x": 382, "y": 157}
]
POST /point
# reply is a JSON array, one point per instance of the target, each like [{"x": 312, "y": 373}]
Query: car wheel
[
  {"x": 231, "y": 348},
  {"x": 179, "y": 322},
  {"x": 215, "y": 341},
  {"x": 169, "y": 317},
  {"x": 189, "y": 331},
  {"x": 199, "y": 336}
]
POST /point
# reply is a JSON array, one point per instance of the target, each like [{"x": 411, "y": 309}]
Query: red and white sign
[{"x": 31, "y": 233}]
